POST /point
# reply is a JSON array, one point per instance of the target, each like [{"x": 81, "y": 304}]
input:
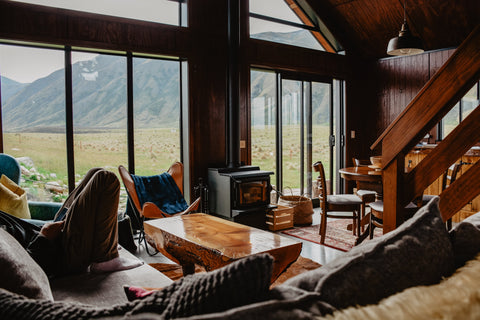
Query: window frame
[{"x": 69, "y": 128}]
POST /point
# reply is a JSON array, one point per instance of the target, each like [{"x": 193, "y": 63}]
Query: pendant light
[{"x": 405, "y": 44}]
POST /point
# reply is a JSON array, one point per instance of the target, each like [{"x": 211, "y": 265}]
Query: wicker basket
[{"x": 302, "y": 208}]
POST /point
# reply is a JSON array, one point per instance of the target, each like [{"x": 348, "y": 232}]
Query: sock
[{"x": 115, "y": 264}]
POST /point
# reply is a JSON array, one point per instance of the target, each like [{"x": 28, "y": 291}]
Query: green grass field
[
  {"x": 155, "y": 151},
  {"x": 263, "y": 151}
]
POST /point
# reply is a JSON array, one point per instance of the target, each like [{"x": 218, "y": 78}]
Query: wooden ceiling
[{"x": 364, "y": 27}]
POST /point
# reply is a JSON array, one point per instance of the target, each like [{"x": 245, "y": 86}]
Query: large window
[
  {"x": 157, "y": 114},
  {"x": 284, "y": 21},
  {"x": 36, "y": 123},
  {"x": 99, "y": 91},
  {"x": 163, "y": 11},
  {"x": 33, "y": 118}
]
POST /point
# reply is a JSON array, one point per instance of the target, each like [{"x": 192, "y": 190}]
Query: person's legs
[
  {"x": 90, "y": 234},
  {"x": 73, "y": 195}
]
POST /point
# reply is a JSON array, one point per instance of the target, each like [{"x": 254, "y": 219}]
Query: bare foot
[{"x": 115, "y": 264}]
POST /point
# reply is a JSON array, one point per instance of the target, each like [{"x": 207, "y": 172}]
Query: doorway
[{"x": 294, "y": 123}]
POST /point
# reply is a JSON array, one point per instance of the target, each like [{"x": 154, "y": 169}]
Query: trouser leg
[
  {"x": 90, "y": 233},
  {"x": 78, "y": 189}
]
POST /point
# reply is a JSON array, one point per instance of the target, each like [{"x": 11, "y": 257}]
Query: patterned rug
[{"x": 337, "y": 237}]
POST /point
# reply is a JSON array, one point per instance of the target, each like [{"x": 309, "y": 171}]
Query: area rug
[
  {"x": 302, "y": 264},
  {"x": 337, "y": 236}
]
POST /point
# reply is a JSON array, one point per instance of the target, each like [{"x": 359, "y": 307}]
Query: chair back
[
  {"x": 175, "y": 170},
  {"x": 450, "y": 175},
  {"x": 361, "y": 162},
  {"x": 130, "y": 186},
  {"x": 321, "y": 185},
  {"x": 9, "y": 166}
]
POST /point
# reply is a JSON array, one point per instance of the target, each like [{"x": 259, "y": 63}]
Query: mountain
[
  {"x": 10, "y": 87},
  {"x": 100, "y": 93},
  {"x": 99, "y": 96},
  {"x": 301, "y": 38}
]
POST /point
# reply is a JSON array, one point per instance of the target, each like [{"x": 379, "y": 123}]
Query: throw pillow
[
  {"x": 240, "y": 283},
  {"x": 465, "y": 238},
  {"x": 455, "y": 297},
  {"x": 13, "y": 199},
  {"x": 419, "y": 252},
  {"x": 19, "y": 272}
]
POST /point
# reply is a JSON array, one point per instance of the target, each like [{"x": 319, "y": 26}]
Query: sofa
[{"x": 418, "y": 271}]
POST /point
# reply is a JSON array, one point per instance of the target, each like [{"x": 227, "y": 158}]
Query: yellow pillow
[{"x": 13, "y": 199}]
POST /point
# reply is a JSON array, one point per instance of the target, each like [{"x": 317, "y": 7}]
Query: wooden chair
[
  {"x": 340, "y": 206},
  {"x": 149, "y": 210},
  {"x": 367, "y": 196},
  {"x": 449, "y": 176},
  {"x": 376, "y": 214}
]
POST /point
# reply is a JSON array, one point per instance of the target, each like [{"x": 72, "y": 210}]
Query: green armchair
[{"x": 39, "y": 210}]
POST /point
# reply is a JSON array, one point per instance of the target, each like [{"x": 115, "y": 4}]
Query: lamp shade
[{"x": 405, "y": 44}]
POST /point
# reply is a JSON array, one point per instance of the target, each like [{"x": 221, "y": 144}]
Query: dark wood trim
[
  {"x": 69, "y": 119},
  {"x": 130, "y": 115},
  {"x": 306, "y": 20},
  {"x": 277, "y": 56},
  {"x": 34, "y": 23}
]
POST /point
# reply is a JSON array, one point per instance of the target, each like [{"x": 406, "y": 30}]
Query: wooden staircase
[{"x": 432, "y": 103}]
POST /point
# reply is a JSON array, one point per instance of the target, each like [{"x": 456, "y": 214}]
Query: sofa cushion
[
  {"x": 455, "y": 297},
  {"x": 19, "y": 272},
  {"x": 418, "y": 252},
  {"x": 106, "y": 289},
  {"x": 13, "y": 199},
  {"x": 465, "y": 238},
  {"x": 196, "y": 294}
]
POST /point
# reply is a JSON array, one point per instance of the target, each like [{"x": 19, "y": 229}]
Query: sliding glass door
[{"x": 290, "y": 138}]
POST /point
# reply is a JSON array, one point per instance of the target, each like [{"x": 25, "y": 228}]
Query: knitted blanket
[
  {"x": 162, "y": 191},
  {"x": 242, "y": 282}
]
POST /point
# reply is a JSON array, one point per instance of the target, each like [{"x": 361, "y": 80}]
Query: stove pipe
[{"x": 233, "y": 89}]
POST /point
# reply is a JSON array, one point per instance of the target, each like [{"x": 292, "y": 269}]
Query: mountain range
[{"x": 100, "y": 94}]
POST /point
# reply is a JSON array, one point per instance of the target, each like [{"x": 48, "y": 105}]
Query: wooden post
[{"x": 393, "y": 193}]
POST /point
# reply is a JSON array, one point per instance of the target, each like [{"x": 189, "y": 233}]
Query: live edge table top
[{"x": 213, "y": 242}]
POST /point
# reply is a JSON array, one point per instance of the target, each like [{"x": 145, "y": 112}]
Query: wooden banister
[
  {"x": 431, "y": 104},
  {"x": 453, "y": 147},
  {"x": 434, "y": 100},
  {"x": 459, "y": 193}
]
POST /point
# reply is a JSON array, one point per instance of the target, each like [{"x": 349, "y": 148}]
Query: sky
[{"x": 25, "y": 64}]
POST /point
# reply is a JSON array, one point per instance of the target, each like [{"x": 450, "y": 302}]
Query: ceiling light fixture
[{"x": 405, "y": 44}]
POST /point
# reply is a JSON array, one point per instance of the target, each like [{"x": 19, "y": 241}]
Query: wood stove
[
  {"x": 240, "y": 194},
  {"x": 236, "y": 192}
]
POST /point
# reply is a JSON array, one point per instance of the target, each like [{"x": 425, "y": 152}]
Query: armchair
[
  {"x": 149, "y": 210},
  {"x": 39, "y": 210}
]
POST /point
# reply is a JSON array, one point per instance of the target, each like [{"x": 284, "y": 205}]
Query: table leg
[{"x": 188, "y": 268}]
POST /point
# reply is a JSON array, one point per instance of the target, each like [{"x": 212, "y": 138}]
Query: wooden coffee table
[{"x": 213, "y": 242}]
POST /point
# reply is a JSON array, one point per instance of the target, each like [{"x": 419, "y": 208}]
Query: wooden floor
[{"x": 318, "y": 253}]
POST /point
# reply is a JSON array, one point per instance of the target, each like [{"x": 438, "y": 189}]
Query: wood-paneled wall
[{"x": 399, "y": 80}]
